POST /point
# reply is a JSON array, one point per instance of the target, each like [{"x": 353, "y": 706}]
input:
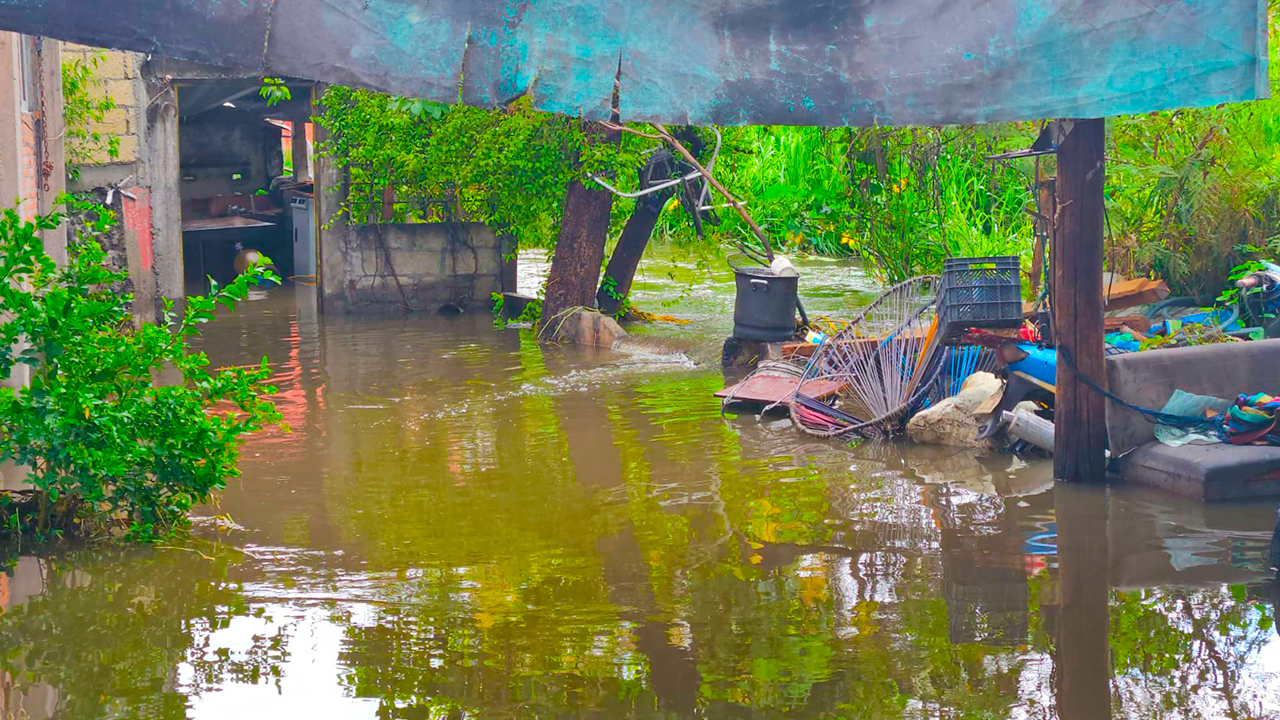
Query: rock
[
  {"x": 748, "y": 353},
  {"x": 952, "y": 422},
  {"x": 584, "y": 327}
]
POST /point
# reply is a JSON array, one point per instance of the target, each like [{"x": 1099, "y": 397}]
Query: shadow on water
[{"x": 465, "y": 524}]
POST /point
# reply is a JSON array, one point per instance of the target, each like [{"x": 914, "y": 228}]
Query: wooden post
[{"x": 1077, "y": 251}]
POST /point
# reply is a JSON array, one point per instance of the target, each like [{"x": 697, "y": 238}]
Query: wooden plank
[
  {"x": 807, "y": 349},
  {"x": 1118, "y": 322},
  {"x": 1123, "y": 295},
  {"x": 1076, "y": 264},
  {"x": 1132, "y": 293},
  {"x": 770, "y": 389}
]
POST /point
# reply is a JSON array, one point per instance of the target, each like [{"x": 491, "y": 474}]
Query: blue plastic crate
[{"x": 979, "y": 293}]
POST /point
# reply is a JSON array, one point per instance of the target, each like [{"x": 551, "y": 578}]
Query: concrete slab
[{"x": 1206, "y": 472}]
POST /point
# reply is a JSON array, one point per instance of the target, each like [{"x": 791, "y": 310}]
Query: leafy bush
[{"x": 106, "y": 448}]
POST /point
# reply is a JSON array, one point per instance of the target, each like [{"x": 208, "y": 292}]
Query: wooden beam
[{"x": 1076, "y": 265}]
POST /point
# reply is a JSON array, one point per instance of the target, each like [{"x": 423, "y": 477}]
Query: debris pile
[{"x": 958, "y": 360}]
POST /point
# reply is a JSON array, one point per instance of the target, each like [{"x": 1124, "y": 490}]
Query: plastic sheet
[
  {"x": 1189, "y": 405},
  {"x": 725, "y": 62}
]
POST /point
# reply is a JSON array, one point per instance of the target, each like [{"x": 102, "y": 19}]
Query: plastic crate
[{"x": 979, "y": 293}]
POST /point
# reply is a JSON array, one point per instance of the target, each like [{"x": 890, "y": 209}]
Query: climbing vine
[{"x": 84, "y": 110}]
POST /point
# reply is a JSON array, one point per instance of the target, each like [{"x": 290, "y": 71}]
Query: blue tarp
[{"x": 730, "y": 62}]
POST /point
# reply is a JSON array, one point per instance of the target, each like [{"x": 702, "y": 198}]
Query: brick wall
[{"x": 119, "y": 73}]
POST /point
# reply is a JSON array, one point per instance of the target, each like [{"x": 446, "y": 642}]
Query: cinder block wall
[
  {"x": 436, "y": 267},
  {"x": 121, "y": 79},
  {"x": 145, "y": 120}
]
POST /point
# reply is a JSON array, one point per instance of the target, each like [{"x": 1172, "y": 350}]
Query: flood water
[{"x": 465, "y": 524}]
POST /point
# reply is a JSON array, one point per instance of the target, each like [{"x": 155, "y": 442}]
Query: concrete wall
[
  {"x": 146, "y": 170},
  {"x": 32, "y": 172},
  {"x": 120, "y": 74},
  {"x": 31, "y": 158},
  {"x": 436, "y": 266}
]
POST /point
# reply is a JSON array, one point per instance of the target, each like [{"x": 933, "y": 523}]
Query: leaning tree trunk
[
  {"x": 644, "y": 218},
  {"x": 579, "y": 253},
  {"x": 626, "y": 256}
]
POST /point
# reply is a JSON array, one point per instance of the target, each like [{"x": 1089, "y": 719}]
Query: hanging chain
[{"x": 46, "y": 165}]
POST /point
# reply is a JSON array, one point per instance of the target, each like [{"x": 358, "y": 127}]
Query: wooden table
[
  {"x": 230, "y": 222},
  {"x": 226, "y": 222}
]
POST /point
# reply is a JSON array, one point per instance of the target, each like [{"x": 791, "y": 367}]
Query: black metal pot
[{"x": 765, "y": 307}]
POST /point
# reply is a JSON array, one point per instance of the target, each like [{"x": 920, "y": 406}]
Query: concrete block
[
  {"x": 128, "y": 152},
  {"x": 513, "y": 304},
  {"x": 1206, "y": 472},
  {"x": 1147, "y": 379},
  {"x": 120, "y": 90},
  {"x": 115, "y": 122},
  {"x": 116, "y": 65}
]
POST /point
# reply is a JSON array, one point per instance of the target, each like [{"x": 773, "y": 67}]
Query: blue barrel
[{"x": 765, "y": 306}]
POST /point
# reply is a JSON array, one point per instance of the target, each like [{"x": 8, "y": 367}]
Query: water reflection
[{"x": 466, "y": 524}]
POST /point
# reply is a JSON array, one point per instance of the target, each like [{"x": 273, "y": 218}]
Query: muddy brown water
[{"x": 465, "y": 524}]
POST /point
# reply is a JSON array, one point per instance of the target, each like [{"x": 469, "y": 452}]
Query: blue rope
[{"x": 1157, "y": 417}]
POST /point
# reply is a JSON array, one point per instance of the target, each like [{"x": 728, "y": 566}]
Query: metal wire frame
[{"x": 875, "y": 357}]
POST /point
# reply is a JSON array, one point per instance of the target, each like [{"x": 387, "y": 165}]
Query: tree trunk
[
  {"x": 626, "y": 257},
  {"x": 579, "y": 253}
]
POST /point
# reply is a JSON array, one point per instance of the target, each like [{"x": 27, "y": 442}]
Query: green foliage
[
  {"x": 609, "y": 286},
  {"x": 531, "y": 313},
  {"x": 1191, "y": 191},
  {"x": 900, "y": 199},
  {"x": 83, "y": 110},
  {"x": 507, "y": 167},
  {"x": 1232, "y": 295},
  {"x": 274, "y": 91},
  {"x": 105, "y": 446}
]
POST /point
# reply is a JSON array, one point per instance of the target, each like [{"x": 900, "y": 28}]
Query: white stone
[
  {"x": 952, "y": 421},
  {"x": 587, "y": 328}
]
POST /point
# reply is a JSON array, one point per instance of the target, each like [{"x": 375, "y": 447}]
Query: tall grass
[{"x": 901, "y": 200}]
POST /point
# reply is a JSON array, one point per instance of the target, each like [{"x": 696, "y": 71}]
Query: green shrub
[{"x": 106, "y": 448}]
